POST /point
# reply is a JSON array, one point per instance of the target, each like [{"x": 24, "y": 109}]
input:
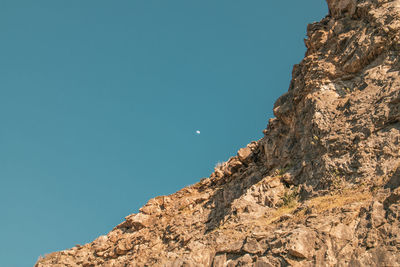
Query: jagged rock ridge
[{"x": 321, "y": 188}]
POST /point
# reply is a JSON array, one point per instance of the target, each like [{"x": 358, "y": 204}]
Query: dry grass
[
  {"x": 318, "y": 204},
  {"x": 219, "y": 165},
  {"x": 328, "y": 202},
  {"x": 277, "y": 215}
]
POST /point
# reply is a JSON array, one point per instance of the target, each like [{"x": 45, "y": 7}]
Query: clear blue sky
[{"x": 100, "y": 101}]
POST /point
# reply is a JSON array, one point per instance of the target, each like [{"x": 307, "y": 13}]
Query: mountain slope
[{"x": 321, "y": 188}]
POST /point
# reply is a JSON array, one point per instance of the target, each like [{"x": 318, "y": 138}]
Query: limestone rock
[
  {"x": 244, "y": 154},
  {"x": 263, "y": 262},
  {"x": 252, "y": 246},
  {"x": 301, "y": 243},
  {"x": 219, "y": 261},
  {"x": 342, "y": 7}
]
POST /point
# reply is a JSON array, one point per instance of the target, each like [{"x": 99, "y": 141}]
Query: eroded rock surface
[{"x": 321, "y": 188}]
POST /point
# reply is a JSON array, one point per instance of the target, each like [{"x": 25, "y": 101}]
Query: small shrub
[
  {"x": 219, "y": 165},
  {"x": 337, "y": 179},
  {"x": 283, "y": 170},
  {"x": 290, "y": 199}
]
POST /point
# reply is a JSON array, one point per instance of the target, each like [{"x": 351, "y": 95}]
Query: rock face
[{"x": 321, "y": 188}]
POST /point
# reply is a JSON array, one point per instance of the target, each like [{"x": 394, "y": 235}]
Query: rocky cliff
[{"x": 321, "y": 188}]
